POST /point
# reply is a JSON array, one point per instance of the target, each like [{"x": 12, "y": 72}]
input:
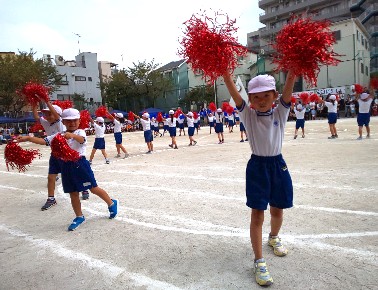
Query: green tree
[
  {"x": 198, "y": 95},
  {"x": 18, "y": 69}
]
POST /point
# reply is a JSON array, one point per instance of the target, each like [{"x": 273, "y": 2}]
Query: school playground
[{"x": 183, "y": 223}]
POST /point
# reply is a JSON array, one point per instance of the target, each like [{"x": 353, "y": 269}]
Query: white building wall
[{"x": 81, "y": 79}]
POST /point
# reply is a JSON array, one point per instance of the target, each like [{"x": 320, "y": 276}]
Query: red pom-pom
[
  {"x": 293, "y": 99},
  {"x": 130, "y": 116},
  {"x": 374, "y": 83},
  {"x": 19, "y": 158},
  {"x": 303, "y": 45},
  {"x": 358, "y": 89},
  {"x": 101, "y": 112},
  {"x": 36, "y": 127},
  {"x": 304, "y": 97},
  {"x": 63, "y": 104},
  {"x": 314, "y": 98},
  {"x": 34, "y": 92},
  {"x": 195, "y": 115},
  {"x": 225, "y": 105},
  {"x": 85, "y": 119},
  {"x": 177, "y": 113},
  {"x": 159, "y": 117},
  {"x": 230, "y": 110},
  {"x": 212, "y": 107},
  {"x": 210, "y": 46},
  {"x": 61, "y": 150}
]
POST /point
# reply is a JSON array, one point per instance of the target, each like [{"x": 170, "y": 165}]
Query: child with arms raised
[
  {"x": 76, "y": 175},
  {"x": 267, "y": 177}
]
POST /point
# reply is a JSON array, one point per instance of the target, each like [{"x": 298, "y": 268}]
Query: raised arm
[
  {"x": 288, "y": 87},
  {"x": 35, "y": 113},
  {"x": 232, "y": 89}
]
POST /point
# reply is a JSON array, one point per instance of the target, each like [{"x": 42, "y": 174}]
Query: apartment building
[{"x": 277, "y": 13}]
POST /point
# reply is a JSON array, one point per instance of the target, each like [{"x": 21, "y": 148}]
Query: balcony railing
[{"x": 372, "y": 8}]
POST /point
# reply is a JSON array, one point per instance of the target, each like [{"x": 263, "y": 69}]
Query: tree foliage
[
  {"x": 136, "y": 87},
  {"x": 198, "y": 95},
  {"x": 18, "y": 69}
]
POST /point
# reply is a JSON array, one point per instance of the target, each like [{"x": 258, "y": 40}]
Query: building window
[
  {"x": 337, "y": 35},
  {"x": 80, "y": 79},
  {"x": 362, "y": 40},
  {"x": 367, "y": 70},
  {"x": 362, "y": 68},
  {"x": 89, "y": 79},
  {"x": 358, "y": 35}
]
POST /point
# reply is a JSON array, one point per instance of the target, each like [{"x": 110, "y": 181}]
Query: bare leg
[
  {"x": 257, "y": 220},
  {"x": 367, "y": 131},
  {"x": 76, "y": 204},
  {"x": 92, "y": 154},
  {"x": 102, "y": 194},
  {"x": 104, "y": 153},
  {"x": 276, "y": 218},
  {"x": 51, "y": 178}
]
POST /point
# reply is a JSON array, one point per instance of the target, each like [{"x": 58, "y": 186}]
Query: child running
[
  {"x": 171, "y": 120},
  {"x": 99, "y": 143},
  {"x": 300, "y": 122},
  {"x": 147, "y": 132},
  {"x": 267, "y": 177},
  {"x": 363, "y": 117},
  {"x": 76, "y": 175},
  {"x": 118, "y": 134}
]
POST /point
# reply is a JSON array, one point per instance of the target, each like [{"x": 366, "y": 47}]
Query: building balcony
[
  {"x": 265, "y": 17},
  {"x": 369, "y": 12},
  {"x": 264, "y": 3}
]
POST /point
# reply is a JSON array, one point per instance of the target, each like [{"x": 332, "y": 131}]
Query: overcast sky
[{"x": 139, "y": 30}]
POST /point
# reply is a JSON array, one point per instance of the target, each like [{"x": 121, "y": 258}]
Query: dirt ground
[{"x": 183, "y": 222}]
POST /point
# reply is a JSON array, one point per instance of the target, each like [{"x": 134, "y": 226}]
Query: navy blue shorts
[
  {"x": 237, "y": 119},
  {"x": 77, "y": 176},
  {"x": 230, "y": 123},
  {"x": 218, "y": 128},
  {"x": 152, "y": 128},
  {"x": 268, "y": 181},
  {"x": 148, "y": 136},
  {"x": 299, "y": 123},
  {"x": 190, "y": 131},
  {"x": 118, "y": 138},
  {"x": 332, "y": 118},
  {"x": 363, "y": 119},
  {"x": 181, "y": 125},
  {"x": 211, "y": 124},
  {"x": 99, "y": 143},
  {"x": 166, "y": 128},
  {"x": 196, "y": 125},
  {"x": 172, "y": 131},
  {"x": 55, "y": 165},
  {"x": 242, "y": 128}
]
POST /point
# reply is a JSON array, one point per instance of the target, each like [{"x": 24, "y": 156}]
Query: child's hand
[{"x": 68, "y": 135}]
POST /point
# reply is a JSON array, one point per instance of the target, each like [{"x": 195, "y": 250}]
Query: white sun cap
[
  {"x": 57, "y": 109},
  {"x": 190, "y": 114},
  {"x": 171, "y": 112},
  {"x": 332, "y": 97},
  {"x": 364, "y": 96},
  {"x": 261, "y": 83},
  {"x": 119, "y": 115},
  {"x": 70, "y": 114},
  {"x": 146, "y": 115},
  {"x": 100, "y": 119},
  {"x": 219, "y": 110}
]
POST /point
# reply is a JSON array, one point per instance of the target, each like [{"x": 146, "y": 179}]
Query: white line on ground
[{"x": 107, "y": 268}]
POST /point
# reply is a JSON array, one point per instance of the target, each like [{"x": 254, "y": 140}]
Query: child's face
[
  {"x": 71, "y": 125},
  {"x": 263, "y": 101},
  {"x": 48, "y": 116}
]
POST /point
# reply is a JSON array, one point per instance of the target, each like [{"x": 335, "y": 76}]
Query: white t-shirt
[
  {"x": 266, "y": 130},
  {"x": 332, "y": 108},
  {"x": 190, "y": 122},
  {"x": 99, "y": 130},
  {"x": 79, "y": 147},
  {"x": 53, "y": 128},
  {"x": 364, "y": 106},
  {"x": 171, "y": 122},
  {"x": 219, "y": 117},
  {"x": 146, "y": 124},
  {"x": 210, "y": 118},
  {"x": 299, "y": 114},
  {"x": 117, "y": 126},
  {"x": 231, "y": 117},
  {"x": 180, "y": 121}
]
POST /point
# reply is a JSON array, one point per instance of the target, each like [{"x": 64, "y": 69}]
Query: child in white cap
[
  {"x": 331, "y": 104},
  {"x": 300, "y": 122},
  {"x": 363, "y": 117},
  {"x": 118, "y": 134},
  {"x": 219, "y": 119},
  {"x": 171, "y": 120},
  {"x": 52, "y": 124},
  {"x": 76, "y": 175},
  {"x": 147, "y": 132},
  {"x": 210, "y": 118},
  {"x": 267, "y": 177},
  {"x": 191, "y": 128},
  {"x": 99, "y": 142}
]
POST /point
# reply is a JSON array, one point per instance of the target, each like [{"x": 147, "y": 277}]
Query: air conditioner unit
[
  {"x": 59, "y": 60},
  {"x": 47, "y": 57}
]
